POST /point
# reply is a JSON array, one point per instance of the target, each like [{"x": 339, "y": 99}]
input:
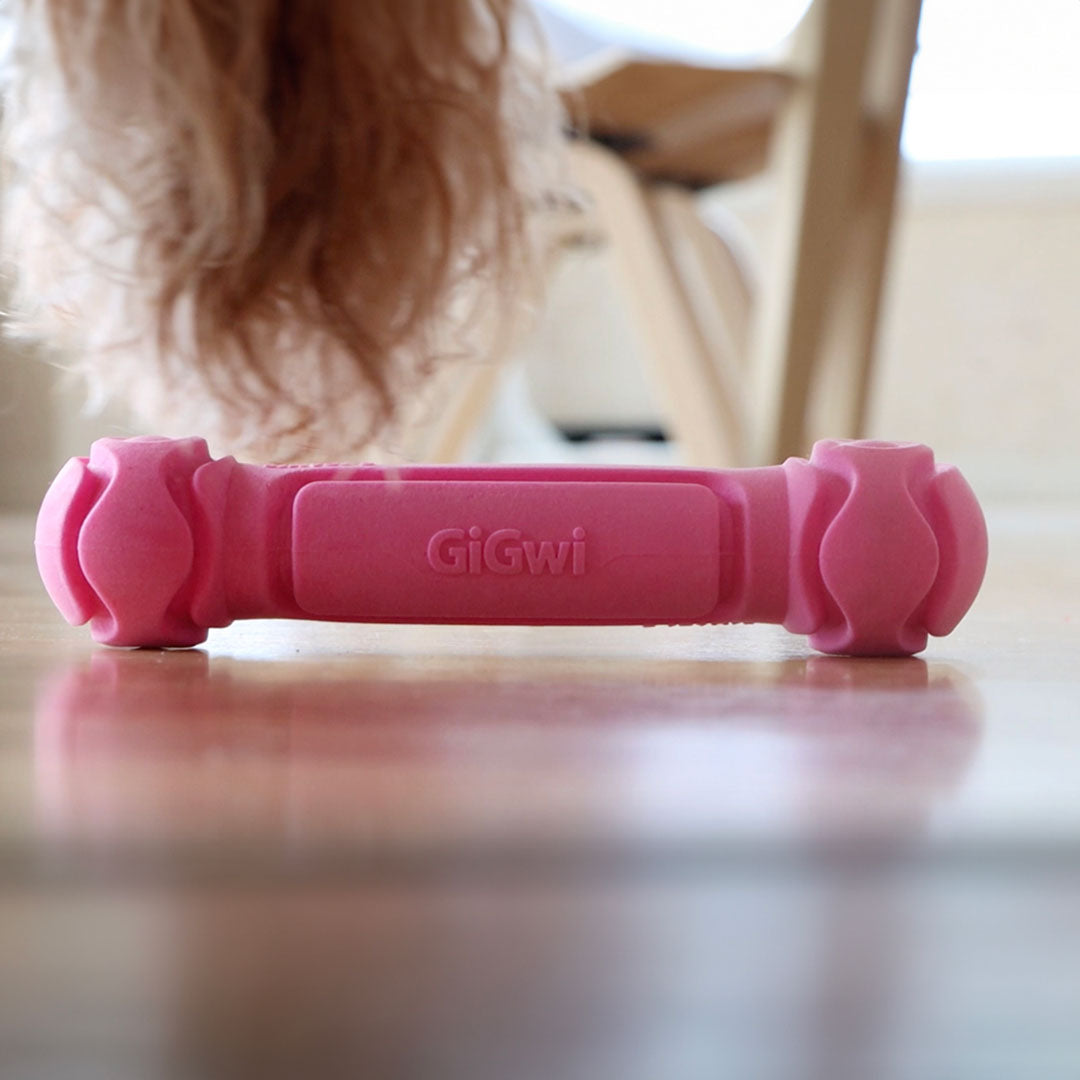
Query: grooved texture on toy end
[
  {"x": 114, "y": 540},
  {"x": 904, "y": 554},
  {"x": 63, "y": 510}
]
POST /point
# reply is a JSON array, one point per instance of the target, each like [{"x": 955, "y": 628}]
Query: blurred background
[{"x": 730, "y": 280}]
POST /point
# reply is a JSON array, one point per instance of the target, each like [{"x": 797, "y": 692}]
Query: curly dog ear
[{"x": 265, "y": 219}]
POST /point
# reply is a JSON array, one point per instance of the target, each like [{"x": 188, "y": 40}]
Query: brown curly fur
[{"x": 263, "y": 219}]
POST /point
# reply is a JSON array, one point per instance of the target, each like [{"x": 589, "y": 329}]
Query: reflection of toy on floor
[{"x": 869, "y": 746}]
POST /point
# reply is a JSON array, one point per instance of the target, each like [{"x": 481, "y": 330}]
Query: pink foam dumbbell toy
[{"x": 868, "y": 546}]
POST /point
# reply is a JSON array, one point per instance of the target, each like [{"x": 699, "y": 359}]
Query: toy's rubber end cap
[
  {"x": 113, "y": 546},
  {"x": 136, "y": 547},
  {"x": 964, "y": 548},
  {"x": 63, "y": 511},
  {"x": 906, "y": 553}
]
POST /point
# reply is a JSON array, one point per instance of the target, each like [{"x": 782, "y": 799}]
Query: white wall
[{"x": 981, "y": 339}]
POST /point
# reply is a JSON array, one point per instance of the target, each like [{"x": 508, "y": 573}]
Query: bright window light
[
  {"x": 992, "y": 79},
  {"x": 995, "y": 79},
  {"x": 687, "y": 29}
]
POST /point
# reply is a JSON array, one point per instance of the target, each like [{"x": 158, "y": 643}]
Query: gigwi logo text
[{"x": 460, "y": 551}]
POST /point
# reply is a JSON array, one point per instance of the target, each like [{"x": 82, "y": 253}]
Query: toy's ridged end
[
  {"x": 67, "y": 502},
  {"x": 888, "y": 548},
  {"x": 114, "y": 540}
]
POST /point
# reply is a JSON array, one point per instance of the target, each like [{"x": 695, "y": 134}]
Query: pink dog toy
[{"x": 867, "y": 547}]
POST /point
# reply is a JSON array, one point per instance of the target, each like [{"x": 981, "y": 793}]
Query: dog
[{"x": 265, "y": 220}]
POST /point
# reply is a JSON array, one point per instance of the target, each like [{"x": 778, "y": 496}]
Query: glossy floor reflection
[
  {"x": 138, "y": 754},
  {"x": 514, "y": 854}
]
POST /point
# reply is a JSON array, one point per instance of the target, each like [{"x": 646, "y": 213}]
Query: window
[{"x": 992, "y": 79}]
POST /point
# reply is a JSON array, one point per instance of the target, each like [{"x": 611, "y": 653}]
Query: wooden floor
[{"x": 311, "y": 850}]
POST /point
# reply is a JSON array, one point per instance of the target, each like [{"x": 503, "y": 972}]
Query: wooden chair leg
[
  {"x": 854, "y": 315},
  {"x": 730, "y": 276},
  {"x": 816, "y": 152},
  {"x": 716, "y": 285},
  {"x": 686, "y": 380}
]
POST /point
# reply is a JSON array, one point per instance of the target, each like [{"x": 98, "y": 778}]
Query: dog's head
[{"x": 267, "y": 217}]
